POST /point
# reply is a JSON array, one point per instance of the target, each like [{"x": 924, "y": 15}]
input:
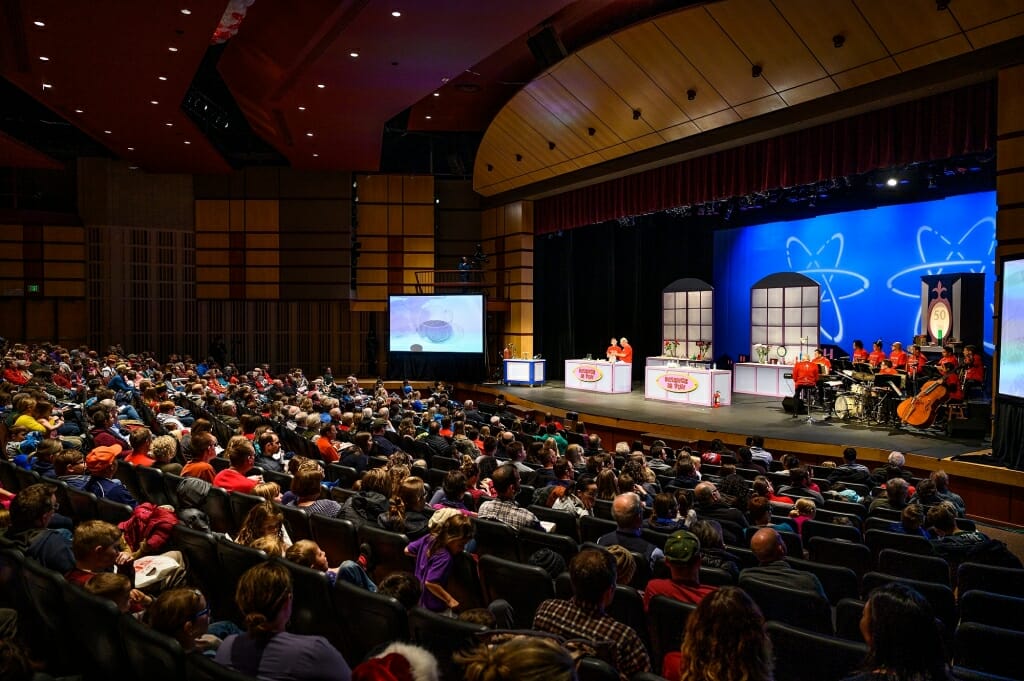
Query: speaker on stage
[
  {"x": 975, "y": 425},
  {"x": 791, "y": 403}
]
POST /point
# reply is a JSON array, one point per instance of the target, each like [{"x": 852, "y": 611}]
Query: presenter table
[
  {"x": 763, "y": 379},
  {"x": 598, "y": 376},
  {"x": 524, "y": 371},
  {"x": 688, "y": 385}
]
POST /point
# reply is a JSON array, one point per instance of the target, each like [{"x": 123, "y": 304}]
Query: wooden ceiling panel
[
  {"x": 614, "y": 152},
  {"x": 766, "y": 39},
  {"x": 883, "y": 68},
  {"x": 990, "y": 34},
  {"x": 933, "y": 52},
  {"x": 803, "y": 93},
  {"x": 533, "y": 144},
  {"x": 646, "y": 142},
  {"x": 709, "y": 49},
  {"x": 907, "y": 24},
  {"x": 680, "y": 131},
  {"x": 547, "y": 126},
  {"x": 717, "y": 120},
  {"x": 760, "y": 106},
  {"x": 611, "y": 63},
  {"x": 595, "y": 94},
  {"x": 974, "y": 14},
  {"x": 589, "y": 159},
  {"x": 818, "y": 22},
  {"x": 572, "y": 113},
  {"x": 670, "y": 70}
]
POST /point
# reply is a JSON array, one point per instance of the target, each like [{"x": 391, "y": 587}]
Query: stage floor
[{"x": 748, "y": 415}]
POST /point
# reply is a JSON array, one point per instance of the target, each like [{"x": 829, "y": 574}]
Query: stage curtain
[
  {"x": 929, "y": 129},
  {"x": 1009, "y": 434}
]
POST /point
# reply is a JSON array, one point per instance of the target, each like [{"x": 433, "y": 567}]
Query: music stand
[{"x": 892, "y": 381}]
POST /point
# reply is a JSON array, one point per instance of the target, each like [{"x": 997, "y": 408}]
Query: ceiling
[
  {"x": 703, "y": 68},
  {"x": 120, "y": 73},
  {"x": 102, "y": 78}
]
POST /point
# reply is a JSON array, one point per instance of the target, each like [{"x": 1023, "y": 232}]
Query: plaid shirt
[
  {"x": 572, "y": 619},
  {"x": 508, "y": 512}
]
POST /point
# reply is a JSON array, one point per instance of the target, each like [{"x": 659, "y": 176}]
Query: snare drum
[
  {"x": 859, "y": 389},
  {"x": 848, "y": 406}
]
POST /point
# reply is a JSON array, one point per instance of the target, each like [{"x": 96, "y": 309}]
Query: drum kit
[{"x": 865, "y": 397}]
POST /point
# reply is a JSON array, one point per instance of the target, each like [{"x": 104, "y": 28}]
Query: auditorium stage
[{"x": 748, "y": 415}]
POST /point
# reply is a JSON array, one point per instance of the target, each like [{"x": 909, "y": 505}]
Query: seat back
[
  {"x": 856, "y": 557},
  {"x": 806, "y": 656},
  {"x": 128, "y": 474},
  {"x": 627, "y": 606},
  {"x": 26, "y": 478},
  {"x": 531, "y": 541},
  {"x": 999, "y": 580},
  {"x": 151, "y": 486},
  {"x": 853, "y": 508},
  {"x": 593, "y": 528},
  {"x": 995, "y": 610},
  {"x": 388, "y": 551},
  {"x": 913, "y": 566},
  {"x": 202, "y": 668},
  {"x": 667, "y": 621},
  {"x": 233, "y": 560},
  {"x": 9, "y": 474},
  {"x": 817, "y": 528},
  {"x": 848, "y": 615},
  {"x": 525, "y": 587},
  {"x": 218, "y": 509},
  {"x": 595, "y": 669},
  {"x": 370, "y": 619},
  {"x": 797, "y": 607},
  {"x": 565, "y": 522},
  {"x": 345, "y": 476},
  {"x": 443, "y": 636},
  {"x": 83, "y": 505},
  {"x": 839, "y": 582},
  {"x": 939, "y": 595},
  {"x": 336, "y": 537},
  {"x": 151, "y": 655},
  {"x": 200, "y": 552},
  {"x": 716, "y": 577},
  {"x": 297, "y": 520},
  {"x": 877, "y": 540},
  {"x": 313, "y": 605},
  {"x": 988, "y": 649},
  {"x": 497, "y": 539},
  {"x": 95, "y": 621},
  {"x": 241, "y": 504},
  {"x": 43, "y": 619}
]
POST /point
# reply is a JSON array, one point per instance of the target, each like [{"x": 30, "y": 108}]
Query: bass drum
[{"x": 848, "y": 406}]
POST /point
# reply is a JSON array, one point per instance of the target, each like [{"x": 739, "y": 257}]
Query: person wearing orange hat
[{"x": 101, "y": 463}]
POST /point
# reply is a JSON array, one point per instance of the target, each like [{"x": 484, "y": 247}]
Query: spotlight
[
  {"x": 519, "y": 157},
  {"x": 691, "y": 95},
  {"x": 490, "y": 168},
  {"x": 551, "y": 146},
  {"x": 838, "y": 40},
  {"x": 636, "y": 114},
  {"x": 891, "y": 182},
  {"x": 756, "y": 70},
  {"x": 591, "y": 131}
]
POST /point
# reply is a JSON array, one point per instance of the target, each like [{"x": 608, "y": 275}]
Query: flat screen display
[
  {"x": 436, "y": 323},
  {"x": 1011, "y": 330}
]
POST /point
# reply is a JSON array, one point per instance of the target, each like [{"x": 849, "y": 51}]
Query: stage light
[
  {"x": 636, "y": 114},
  {"x": 891, "y": 182},
  {"x": 691, "y": 94},
  {"x": 838, "y": 40}
]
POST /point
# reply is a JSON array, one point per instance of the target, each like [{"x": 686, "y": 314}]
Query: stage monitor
[
  {"x": 436, "y": 323},
  {"x": 1011, "y": 329}
]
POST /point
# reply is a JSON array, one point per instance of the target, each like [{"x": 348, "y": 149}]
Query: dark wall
[{"x": 605, "y": 280}]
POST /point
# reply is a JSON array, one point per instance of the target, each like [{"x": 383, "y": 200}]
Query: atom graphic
[
  {"x": 836, "y": 284},
  {"x": 974, "y": 250}
]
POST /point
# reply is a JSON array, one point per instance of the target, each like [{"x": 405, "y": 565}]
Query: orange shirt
[
  {"x": 876, "y": 357},
  {"x": 898, "y": 359},
  {"x": 860, "y": 355},
  {"x": 627, "y": 353},
  {"x": 327, "y": 450}
]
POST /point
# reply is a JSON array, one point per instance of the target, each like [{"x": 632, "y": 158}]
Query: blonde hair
[
  {"x": 525, "y": 658},
  {"x": 270, "y": 544},
  {"x": 109, "y": 585},
  {"x": 805, "y": 507},
  {"x": 303, "y": 552},
  {"x": 268, "y": 490},
  {"x": 256, "y": 520},
  {"x": 625, "y": 564}
]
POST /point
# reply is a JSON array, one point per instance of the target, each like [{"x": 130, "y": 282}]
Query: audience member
[
  {"x": 504, "y": 509},
  {"x": 770, "y": 551},
  {"x": 682, "y": 555}
]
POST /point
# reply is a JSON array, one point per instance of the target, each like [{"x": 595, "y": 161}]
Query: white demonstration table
[
  {"x": 763, "y": 379},
  {"x": 524, "y": 371},
  {"x": 598, "y": 376},
  {"x": 688, "y": 385}
]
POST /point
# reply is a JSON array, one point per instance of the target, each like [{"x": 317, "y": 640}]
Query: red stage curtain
[{"x": 929, "y": 129}]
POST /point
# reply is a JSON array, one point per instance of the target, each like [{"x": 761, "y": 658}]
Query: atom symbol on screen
[
  {"x": 973, "y": 251},
  {"x": 836, "y": 284}
]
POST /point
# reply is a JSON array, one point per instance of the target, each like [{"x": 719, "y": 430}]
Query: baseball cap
[
  {"x": 101, "y": 458},
  {"x": 681, "y": 547}
]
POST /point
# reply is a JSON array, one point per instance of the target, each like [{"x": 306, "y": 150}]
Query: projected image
[
  {"x": 1011, "y": 337},
  {"x": 436, "y": 323},
  {"x": 868, "y": 264}
]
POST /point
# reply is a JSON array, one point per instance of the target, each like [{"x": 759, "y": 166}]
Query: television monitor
[
  {"x": 1010, "y": 356},
  {"x": 436, "y": 323}
]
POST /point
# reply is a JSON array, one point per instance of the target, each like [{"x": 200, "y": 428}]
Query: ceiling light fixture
[
  {"x": 107, "y": 132},
  {"x": 354, "y": 55},
  {"x": 187, "y": 142},
  {"x": 756, "y": 71},
  {"x": 161, "y": 77},
  {"x": 153, "y": 101},
  {"x": 169, "y": 124},
  {"x": 427, "y": 117},
  {"x": 637, "y": 114},
  {"x": 302, "y": 108},
  {"x": 490, "y": 168},
  {"x": 519, "y": 157},
  {"x": 437, "y": 94},
  {"x": 396, "y": 14},
  {"x": 186, "y": 11},
  {"x": 316, "y": 155},
  {"x": 551, "y": 146},
  {"x": 79, "y": 111},
  {"x": 44, "y": 59},
  {"x": 172, "y": 49},
  {"x": 591, "y": 131},
  {"x": 47, "y": 86},
  {"x": 309, "y": 134},
  {"x": 838, "y": 40},
  {"x": 892, "y": 182},
  {"x": 691, "y": 94},
  {"x": 131, "y": 148},
  {"x": 321, "y": 86},
  {"x": 40, "y": 24}
]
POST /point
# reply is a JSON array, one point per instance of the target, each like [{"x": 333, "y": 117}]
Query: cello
[{"x": 920, "y": 410}]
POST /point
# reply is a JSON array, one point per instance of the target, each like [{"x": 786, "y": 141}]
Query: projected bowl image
[
  {"x": 436, "y": 323},
  {"x": 436, "y": 330}
]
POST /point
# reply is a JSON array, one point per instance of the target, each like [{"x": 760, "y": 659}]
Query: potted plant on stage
[{"x": 671, "y": 345}]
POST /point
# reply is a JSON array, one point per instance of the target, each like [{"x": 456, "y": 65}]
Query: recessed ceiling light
[
  {"x": 172, "y": 49},
  {"x": 131, "y": 148},
  {"x": 169, "y": 124},
  {"x": 354, "y": 55},
  {"x": 161, "y": 77},
  {"x": 185, "y": 10},
  {"x": 187, "y": 142},
  {"x": 153, "y": 101},
  {"x": 302, "y": 108},
  {"x": 79, "y": 111},
  {"x": 44, "y": 59},
  {"x": 316, "y": 155},
  {"x": 427, "y": 117},
  {"x": 47, "y": 86},
  {"x": 437, "y": 94},
  {"x": 40, "y": 24},
  {"x": 309, "y": 134},
  {"x": 107, "y": 132},
  {"x": 396, "y": 14},
  {"x": 321, "y": 86},
  {"x": 133, "y": 167}
]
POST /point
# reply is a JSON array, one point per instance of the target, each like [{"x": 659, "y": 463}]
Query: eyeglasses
[{"x": 202, "y": 613}]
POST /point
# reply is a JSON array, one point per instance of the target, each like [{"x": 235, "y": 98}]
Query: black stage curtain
[
  {"x": 933, "y": 128},
  {"x": 1008, "y": 447},
  {"x": 436, "y": 366},
  {"x": 606, "y": 280}
]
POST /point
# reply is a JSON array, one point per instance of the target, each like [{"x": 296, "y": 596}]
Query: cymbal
[{"x": 862, "y": 376}]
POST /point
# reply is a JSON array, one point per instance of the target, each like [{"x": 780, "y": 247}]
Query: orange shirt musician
[
  {"x": 612, "y": 353},
  {"x": 821, "y": 360},
  {"x": 950, "y": 379},
  {"x": 887, "y": 368},
  {"x": 898, "y": 357},
  {"x": 915, "y": 360},
  {"x": 860, "y": 355},
  {"x": 948, "y": 358},
  {"x": 876, "y": 356},
  {"x": 975, "y": 370},
  {"x": 805, "y": 379},
  {"x": 626, "y": 354}
]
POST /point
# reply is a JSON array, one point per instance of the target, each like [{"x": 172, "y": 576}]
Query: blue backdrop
[{"x": 869, "y": 264}]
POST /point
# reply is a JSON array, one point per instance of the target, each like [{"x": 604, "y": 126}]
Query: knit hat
[
  {"x": 101, "y": 458},
  {"x": 681, "y": 547},
  {"x": 399, "y": 662},
  {"x": 440, "y": 515},
  {"x": 552, "y": 562}
]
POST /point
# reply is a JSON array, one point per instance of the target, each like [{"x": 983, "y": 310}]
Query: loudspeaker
[
  {"x": 976, "y": 425},
  {"x": 546, "y": 46},
  {"x": 791, "y": 403}
]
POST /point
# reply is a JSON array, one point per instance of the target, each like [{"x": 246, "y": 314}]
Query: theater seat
[
  {"x": 999, "y": 580},
  {"x": 989, "y": 649},
  {"x": 802, "y": 655},
  {"x": 443, "y": 636},
  {"x": 667, "y": 621},
  {"x": 799, "y": 608},
  {"x": 525, "y": 587},
  {"x": 995, "y": 610}
]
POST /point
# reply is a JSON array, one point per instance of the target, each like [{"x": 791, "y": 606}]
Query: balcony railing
[{"x": 452, "y": 281}]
